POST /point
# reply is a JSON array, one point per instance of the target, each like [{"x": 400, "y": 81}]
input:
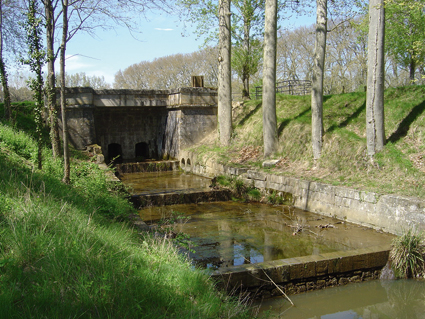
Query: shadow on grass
[
  {"x": 404, "y": 125},
  {"x": 285, "y": 122},
  {"x": 347, "y": 121},
  {"x": 251, "y": 113}
]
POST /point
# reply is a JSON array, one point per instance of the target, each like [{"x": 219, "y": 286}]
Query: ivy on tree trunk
[{"x": 36, "y": 59}]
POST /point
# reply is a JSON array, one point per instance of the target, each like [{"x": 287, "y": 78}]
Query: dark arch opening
[
  {"x": 142, "y": 151},
  {"x": 183, "y": 163},
  {"x": 115, "y": 153}
]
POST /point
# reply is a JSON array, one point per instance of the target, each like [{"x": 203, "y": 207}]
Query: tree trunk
[
  {"x": 317, "y": 79},
  {"x": 375, "y": 130},
  {"x": 269, "y": 79},
  {"x": 246, "y": 47},
  {"x": 51, "y": 83},
  {"x": 412, "y": 69},
  {"x": 3, "y": 73},
  {"x": 224, "y": 74},
  {"x": 66, "y": 177}
]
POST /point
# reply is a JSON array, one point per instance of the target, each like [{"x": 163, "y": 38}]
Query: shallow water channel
[
  {"x": 378, "y": 299},
  {"x": 233, "y": 233}
]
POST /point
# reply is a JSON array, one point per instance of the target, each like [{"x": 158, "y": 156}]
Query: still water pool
[
  {"x": 395, "y": 299},
  {"x": 232, "y": 233}
]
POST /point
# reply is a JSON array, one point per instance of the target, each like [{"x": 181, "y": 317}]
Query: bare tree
[
  {"x": 375, "y": 130},
  {"x": 11, "y": 40},
  {"x": 317, "y": 79},
  {"x": 269, "y": 79},
  {"x": 3, "y": 74},
  {"x": 224, "y": 74},
  {"x": 67, "y": 170},
  {"x": 169, "y": 72},
  {"x": 87, "y": 16}
]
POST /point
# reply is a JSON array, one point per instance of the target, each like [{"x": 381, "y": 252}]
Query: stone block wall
[
  {"x": 390, "y": 213},
  {"x": 163, "y": 121},
  {"x": 300, "y": 274}
]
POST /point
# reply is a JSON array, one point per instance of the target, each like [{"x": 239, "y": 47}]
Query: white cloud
[
  {"x": 162, "y": 29},
  {"x": 74, "y": 63}
]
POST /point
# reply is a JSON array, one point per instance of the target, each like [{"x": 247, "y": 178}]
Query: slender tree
[
  {"x": 36, "y": 60},
  {"x": 51, "y": 15},
  {"x": 269, "y": 79},
  {"x": 67, "y": 169},
  {"x": 404, "y": 36},
  {"x": 3, "y": 73},
  {"x": 249, "y": 54},
  {"x": 375, "y": 130},
  {"x": 247, "y": 27},
  {"x": 224, "y": 74},
  {"x": 317, "y": 79},
  {"x": 11, "y": 42}
]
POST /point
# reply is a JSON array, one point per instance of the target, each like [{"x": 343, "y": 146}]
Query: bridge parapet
[
  {"x": 189, "y": 97},
  {"x": 198, "y": 96}
]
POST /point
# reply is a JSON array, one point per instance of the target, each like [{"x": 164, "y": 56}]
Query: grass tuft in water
[{"x": 407, "y": 255}]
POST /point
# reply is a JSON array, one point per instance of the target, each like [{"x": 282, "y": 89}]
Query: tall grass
[
  {"x": 65, "y": 252},
  {"x": 407, "y": 255},
  {"x": 398, "y": 169}
]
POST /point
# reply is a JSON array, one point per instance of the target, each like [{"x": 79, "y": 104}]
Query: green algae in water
[{"x": 230, "y": 234}]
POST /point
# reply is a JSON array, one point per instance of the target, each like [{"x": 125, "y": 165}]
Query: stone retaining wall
[
  {"x": 300, "y": 274},
  {"x": 390, "y": 213}
]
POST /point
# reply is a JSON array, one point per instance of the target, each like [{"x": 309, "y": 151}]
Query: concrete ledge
[
  {"x": 144, "y": 200},
  {"x": 156, "y": 166},
  {"x": 308, "y": 272}
]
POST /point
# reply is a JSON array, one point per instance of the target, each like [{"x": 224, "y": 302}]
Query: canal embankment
[{"x": 389, "y": 213}]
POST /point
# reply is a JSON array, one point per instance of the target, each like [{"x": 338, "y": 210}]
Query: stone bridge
[{"x": 140, "y": 124}]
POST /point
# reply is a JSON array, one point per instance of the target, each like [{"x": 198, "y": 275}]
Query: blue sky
[{"x": 117, "y": 49}]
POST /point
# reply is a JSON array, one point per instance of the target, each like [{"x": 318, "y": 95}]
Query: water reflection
[
  {"x": 367, "y": 300},
  {"x": 165, "y": 182},
  {"x": 231, "y": 233}
]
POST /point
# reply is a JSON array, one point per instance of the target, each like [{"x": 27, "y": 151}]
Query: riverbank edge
[{"x": 389, "y": 213}]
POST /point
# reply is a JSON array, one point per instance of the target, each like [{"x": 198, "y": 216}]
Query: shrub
[{"x": 407, "y": 255}]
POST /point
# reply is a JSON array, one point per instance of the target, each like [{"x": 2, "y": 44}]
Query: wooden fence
[{"x": 290, "y": 87}]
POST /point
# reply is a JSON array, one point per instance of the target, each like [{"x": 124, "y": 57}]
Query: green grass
[
  {"x": 67, "y": 252},
  {"x": 407, "y": 255},
  {"x": 398, "y": 169}
]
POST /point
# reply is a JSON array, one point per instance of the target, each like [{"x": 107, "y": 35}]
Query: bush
[{"x": 407, "y": 255}]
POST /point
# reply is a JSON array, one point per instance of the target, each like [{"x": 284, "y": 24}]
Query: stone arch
[
  {"x": 188, "y": 162},
  {"x": 183, "y": 163},
  {"x": 115, "y": 153},
  {"x": 141, "y": 151}
]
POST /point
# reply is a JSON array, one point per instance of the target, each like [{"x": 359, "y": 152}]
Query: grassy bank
[
  {"x": 66, "y": 252},
  {"x": 398, "y": 169}
]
